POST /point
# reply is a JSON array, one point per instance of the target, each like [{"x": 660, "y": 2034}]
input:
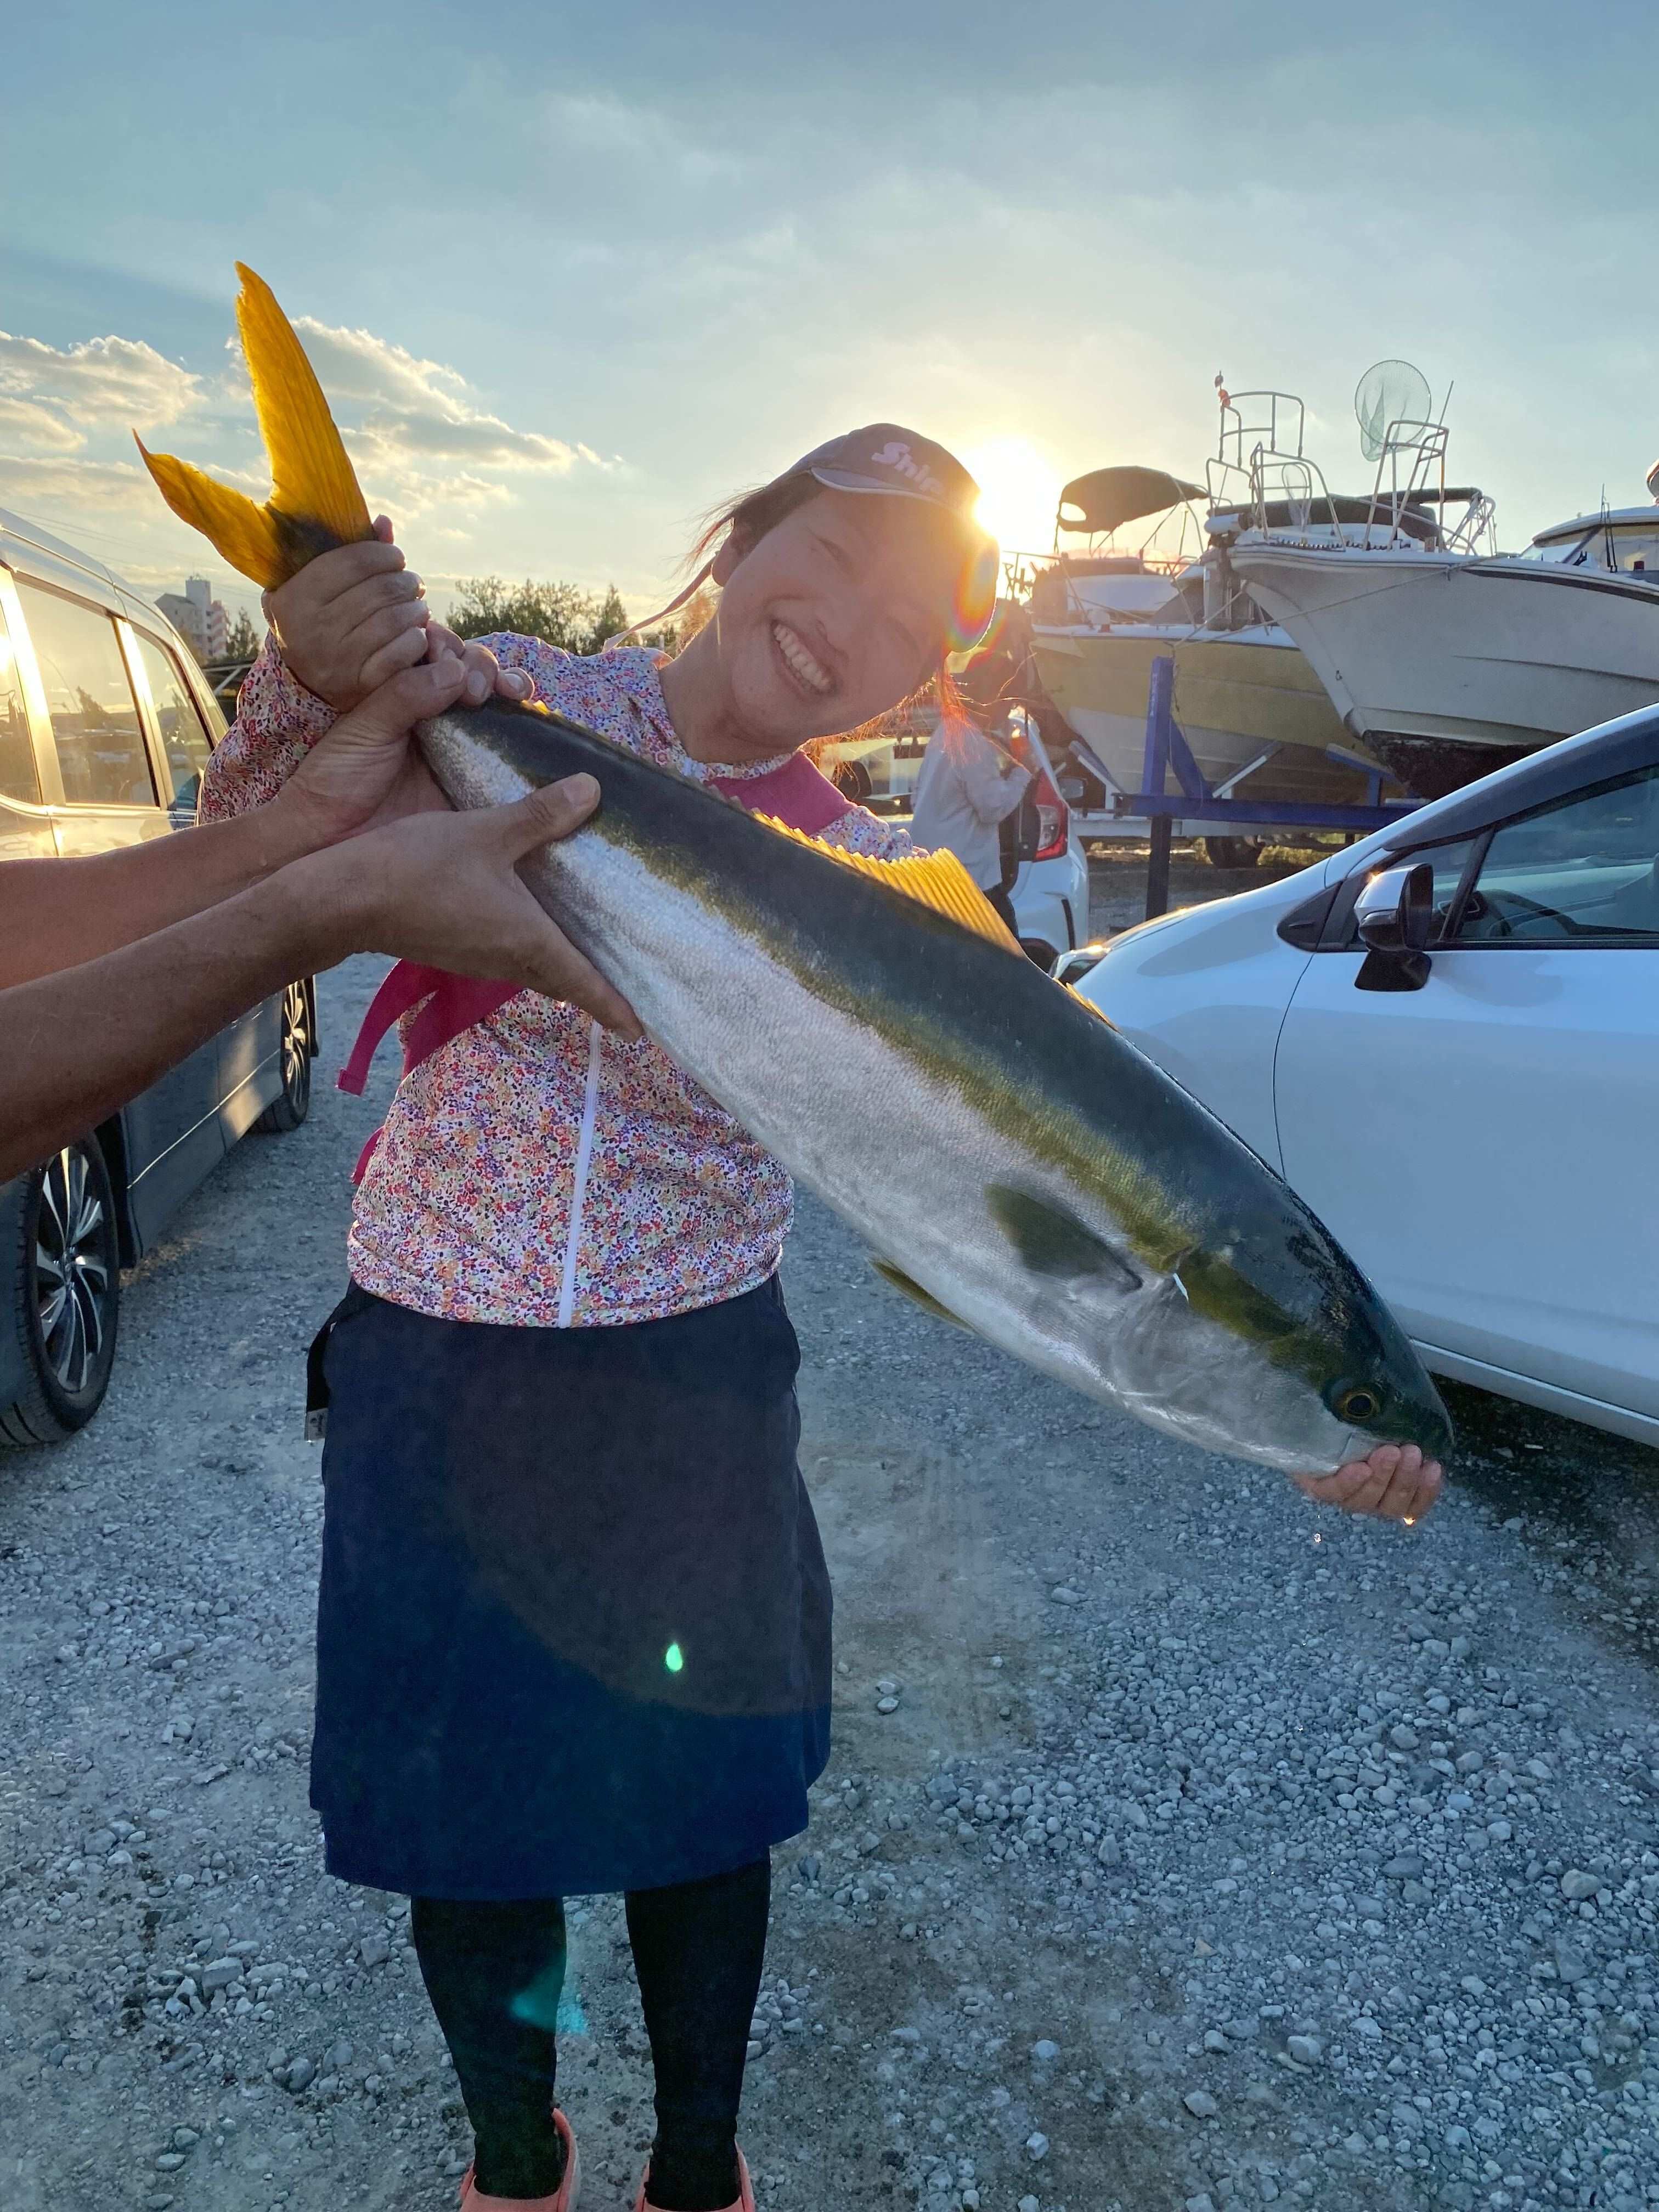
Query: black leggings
[{"x": 494, "y": 1973}]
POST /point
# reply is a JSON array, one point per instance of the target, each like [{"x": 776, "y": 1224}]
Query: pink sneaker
[
  {"x": 745, "y": 2200},
  {"x": 563, "y": 2198}
]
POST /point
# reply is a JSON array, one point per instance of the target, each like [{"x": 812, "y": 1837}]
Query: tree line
[{"x": 560, "y": 614}]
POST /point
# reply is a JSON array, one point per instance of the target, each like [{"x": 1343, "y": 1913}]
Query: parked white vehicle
[
  {"x": 1049, "y": 893},
  {"x": 1446, "y": 1039}
]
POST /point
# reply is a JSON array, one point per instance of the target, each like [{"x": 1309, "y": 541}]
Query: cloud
[
  {"x": 41, "y": 485},
  {"x": 428, "y": 447},
  {"x": 599, "y": 125},
  {"x": 410, "y": 495},
  {"x": 96, "y": 383},
  {"x": 416, "y": 411},
  {"x": 26, "y": 423}
]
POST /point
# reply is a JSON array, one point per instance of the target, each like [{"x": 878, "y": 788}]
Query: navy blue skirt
[{"x": 574, "y": 1628}]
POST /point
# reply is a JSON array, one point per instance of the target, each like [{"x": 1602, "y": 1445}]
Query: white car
[
  {"x": 1446, "y": 1039},
  {"x": 1051, "y": 894},
  {"x": 1050, "y": 890}
]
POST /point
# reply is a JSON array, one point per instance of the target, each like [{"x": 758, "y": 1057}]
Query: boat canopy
[{"x": 1107, "y": 498}]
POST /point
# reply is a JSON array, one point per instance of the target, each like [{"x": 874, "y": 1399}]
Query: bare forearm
[
  {"x": 56, "y": 914},
  {"x": 75, "y": 1045}
]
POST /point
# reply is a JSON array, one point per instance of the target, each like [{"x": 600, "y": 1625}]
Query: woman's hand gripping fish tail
[
  {"x": 352, "y": 619},
  {"x": 1395, "y": 1483}
]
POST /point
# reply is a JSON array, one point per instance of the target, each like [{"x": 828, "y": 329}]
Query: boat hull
[
  {"x": 1235, "y": 696},
  {"x": 1446, "y": 667}
]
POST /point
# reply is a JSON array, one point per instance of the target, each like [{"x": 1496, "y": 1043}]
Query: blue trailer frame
[{"x": 1167, "y": 750}]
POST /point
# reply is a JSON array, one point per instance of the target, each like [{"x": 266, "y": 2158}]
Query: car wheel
[
  {"x": 293, "y": 1103},
  {"x": 63, "y": 1285},
  {"x": 1230, "y": 852},
  {"x": 1040, "y": 953}
]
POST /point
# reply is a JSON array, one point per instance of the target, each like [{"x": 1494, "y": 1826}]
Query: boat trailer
[{"x": 1167, "y": 750}]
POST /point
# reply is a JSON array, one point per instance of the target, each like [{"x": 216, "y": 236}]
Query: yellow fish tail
[
  {"x": 245, "y": 534},
  {"x": 316, "y": 503}
]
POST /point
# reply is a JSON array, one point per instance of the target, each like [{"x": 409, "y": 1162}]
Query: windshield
[{"x": 1630, "y": 548}]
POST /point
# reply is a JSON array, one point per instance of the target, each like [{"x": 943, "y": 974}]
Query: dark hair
[{"x": 752, "y": 514}]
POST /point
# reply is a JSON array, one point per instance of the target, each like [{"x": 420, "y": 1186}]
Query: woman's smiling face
[{"x": 837, "y": 613}]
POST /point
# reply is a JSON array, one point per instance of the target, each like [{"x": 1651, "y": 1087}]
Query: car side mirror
[
  {"x": 1071, "y": 968},
  {"x": 1394, "y": 916}
]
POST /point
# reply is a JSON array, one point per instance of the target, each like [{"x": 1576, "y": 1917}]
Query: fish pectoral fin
[
  {"x": 1051, "y": 1241},
  {"x": 900, "y": 1281},
  {"x": 936, "y": 880},
  {"x": 316, "y": 503}
]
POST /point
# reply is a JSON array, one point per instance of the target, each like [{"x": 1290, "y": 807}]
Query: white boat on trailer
[
  {"x": 1253, "y": 714},
  {"x": 1445, "y": 659}
]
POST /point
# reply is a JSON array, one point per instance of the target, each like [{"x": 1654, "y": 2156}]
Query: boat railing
[
  {"x": 1288, "y": 492},
  {"x": 1411, "y": 475},
  {"x": 1231, "y": 484},
  {"x": 1253, "y": 421},
  {"x": 1475, "y": 529},
  {"x": 1413, "y": 461}
]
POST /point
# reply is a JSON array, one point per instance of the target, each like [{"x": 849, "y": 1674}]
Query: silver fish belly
[{"x": 929, "y": 1150}]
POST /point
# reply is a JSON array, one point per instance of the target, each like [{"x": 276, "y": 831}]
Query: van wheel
[
  {"x": 60, "y": 1294},
  {"x": 293, "y": 1103}
]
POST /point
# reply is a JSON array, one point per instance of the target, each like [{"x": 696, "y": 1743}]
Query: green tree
[
  {"x": 243, "y": 641},
  {"x": 611, "y": 616},
  {"x": 562, "y": 614}
]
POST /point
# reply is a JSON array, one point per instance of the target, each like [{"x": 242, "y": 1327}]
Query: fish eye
[{"x": 1354, "y": 1401}]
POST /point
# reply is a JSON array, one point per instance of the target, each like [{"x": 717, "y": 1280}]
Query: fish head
[
  {"x": 1234, "y": 1320},
  {"x": 1266, "y": 1341}
]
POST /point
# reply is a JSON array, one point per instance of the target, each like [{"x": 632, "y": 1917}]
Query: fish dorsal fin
[
  {"x": 316, "y": 503},
  {"x": 937, "y": 880}
]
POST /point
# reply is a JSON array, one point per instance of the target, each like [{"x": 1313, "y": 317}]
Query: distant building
[{"x": 198, "y": 617}]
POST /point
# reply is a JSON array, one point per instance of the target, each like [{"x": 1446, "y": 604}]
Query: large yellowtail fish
[{"x": 1011, "y": 1161}]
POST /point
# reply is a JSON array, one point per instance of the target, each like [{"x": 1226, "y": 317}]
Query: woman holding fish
[{"x": 573, "y": 1633}]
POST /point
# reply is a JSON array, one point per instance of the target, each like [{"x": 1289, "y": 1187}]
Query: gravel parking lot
[{"x": 1182, "y": 1847}]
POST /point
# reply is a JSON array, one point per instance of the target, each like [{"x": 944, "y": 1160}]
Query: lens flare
[
  {"x": 673, "y": 1659},
  {"x": 975, "y": 599}
]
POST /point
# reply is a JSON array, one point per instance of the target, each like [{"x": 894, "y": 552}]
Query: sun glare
[{"x": 1019, "y": 490}]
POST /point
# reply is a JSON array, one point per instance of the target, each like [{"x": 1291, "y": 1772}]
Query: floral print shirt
[{"x": 537, "y": 1170}]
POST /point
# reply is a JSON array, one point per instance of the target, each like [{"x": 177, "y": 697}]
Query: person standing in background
[{"x": 966, "y": 788}]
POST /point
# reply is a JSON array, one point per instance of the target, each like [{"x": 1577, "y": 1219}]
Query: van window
[
  {"x": 19, "y": 777},
  {"x": 102, "y": 752},
  {"x": 184, "y": 740}
]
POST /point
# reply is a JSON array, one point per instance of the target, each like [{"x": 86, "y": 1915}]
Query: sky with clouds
[{"x": 570, "y": 276}]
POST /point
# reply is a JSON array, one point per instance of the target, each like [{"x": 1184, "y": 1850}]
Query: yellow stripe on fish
[{"x": 936, "y": 880}]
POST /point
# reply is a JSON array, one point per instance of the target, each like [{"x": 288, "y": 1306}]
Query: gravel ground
[{"x": 1182, "y": 1846}]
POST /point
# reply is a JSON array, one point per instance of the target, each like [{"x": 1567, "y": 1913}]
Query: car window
[
  {"x": 182, "y": 738},
  {"x": 1582, "y": 872},
  {"x": 102, "y": 752},
  {"x": 19, "y": 777},
  {"x": 1449, "y": 863}
]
